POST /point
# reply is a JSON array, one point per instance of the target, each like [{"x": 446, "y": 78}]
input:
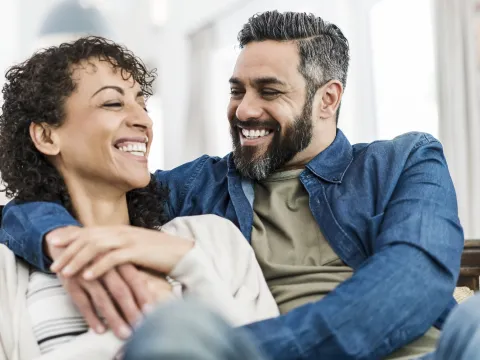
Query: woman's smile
[{"x": 133, "y": 148}]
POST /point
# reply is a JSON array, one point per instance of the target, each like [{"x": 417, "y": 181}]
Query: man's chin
[
  {"x": 254, "y": 167},
  {"x": 251, "y": 154}
]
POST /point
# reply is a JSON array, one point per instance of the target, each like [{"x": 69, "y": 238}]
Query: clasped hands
[{"x": 97, "y": 268}]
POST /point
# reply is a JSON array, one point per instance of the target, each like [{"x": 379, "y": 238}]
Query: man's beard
[{"x": 282, "y": 148}]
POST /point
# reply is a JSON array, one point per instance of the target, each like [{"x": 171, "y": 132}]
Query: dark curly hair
[{"x": 36, "y": 90}]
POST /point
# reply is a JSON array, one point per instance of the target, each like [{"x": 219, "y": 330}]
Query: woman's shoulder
[
  {"x": 6, "y": 253},
  {"x": 9, "y": 262},
  {"x": 210, "y": 222},
  {"x": 209, "y": 231}
]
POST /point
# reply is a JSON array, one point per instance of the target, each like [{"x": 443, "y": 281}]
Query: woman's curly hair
[{"x": 35, "y": 91}]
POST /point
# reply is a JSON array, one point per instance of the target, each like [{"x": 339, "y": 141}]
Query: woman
[{"x": 74, "y": 129}]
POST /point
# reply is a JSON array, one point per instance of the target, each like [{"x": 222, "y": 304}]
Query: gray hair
[{"x": 323, "y": 49}]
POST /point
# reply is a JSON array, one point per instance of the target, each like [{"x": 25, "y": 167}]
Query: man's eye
[
  {"x": 235, "y": 92},
  {"x": 267, "y": 92}
]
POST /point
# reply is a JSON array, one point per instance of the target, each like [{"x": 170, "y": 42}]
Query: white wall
[
  {"x": 9, "y": 45},
  {"x": 184, "y": 17}
]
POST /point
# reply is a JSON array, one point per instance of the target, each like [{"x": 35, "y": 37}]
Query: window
[{"x": 404, "y": 67}]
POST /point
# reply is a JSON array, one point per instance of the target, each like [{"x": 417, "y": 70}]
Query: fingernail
[
  {"x": 54, "y": 267},
  {"x": 53, "y": 240},
  {"x": 125, "y": 332},
  {"x": 100, "y": 329},
  {"x": 138, "y": 323},
  {"x": 147, "y": 308},
  {"x": 88, "y": 275},
  {"x": 67, "y": 271}
]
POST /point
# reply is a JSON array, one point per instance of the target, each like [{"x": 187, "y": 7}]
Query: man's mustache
[{"x": 255, "y": 124}]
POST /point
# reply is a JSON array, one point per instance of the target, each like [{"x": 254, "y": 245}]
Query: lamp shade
[{"x": 70, "y": 17}]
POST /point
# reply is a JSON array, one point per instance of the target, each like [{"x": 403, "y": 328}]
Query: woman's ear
[
  {"x": 45, "y": 138},
  {"x": 331, "y": 97}
]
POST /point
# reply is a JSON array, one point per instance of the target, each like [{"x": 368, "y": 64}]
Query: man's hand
[{"x": 119, "y": 296}]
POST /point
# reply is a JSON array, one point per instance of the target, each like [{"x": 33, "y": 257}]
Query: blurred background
[{"x": 415, "y": 67}]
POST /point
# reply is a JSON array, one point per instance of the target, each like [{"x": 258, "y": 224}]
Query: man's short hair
[{"x": 323, "y": 49}]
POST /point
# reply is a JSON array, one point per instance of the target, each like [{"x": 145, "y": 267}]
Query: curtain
[
  {"x": 459, "y": 123},
  {"x": 200, "y": 128}
]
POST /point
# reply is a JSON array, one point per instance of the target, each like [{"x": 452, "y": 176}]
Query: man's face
[{"x": 269, "y": 112}]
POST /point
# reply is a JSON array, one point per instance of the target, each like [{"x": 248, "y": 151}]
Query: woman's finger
[
  {"x": 107, "y": 262},
  {"x": 83, "y": 303},
  {"x": 137, "y": 281},
  {"x": 86, "y": 255},
  {"x": 62, "y": 237},
  {"x": 105, "y": 306},
  {"x": 161, "y": 289},
  {"x": 123, "y": 296},
  {"x": 66, "y": 256}
]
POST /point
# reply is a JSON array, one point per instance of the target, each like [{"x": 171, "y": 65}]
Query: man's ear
[
  {"x": 331, "y": 93},
  {"x": 45, "y": 138}
]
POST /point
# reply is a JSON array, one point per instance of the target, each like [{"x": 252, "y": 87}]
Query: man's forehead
[{"x": 267, "y": 60}]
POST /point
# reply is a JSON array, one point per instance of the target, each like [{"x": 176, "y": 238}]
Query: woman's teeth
[
  {"x": 254, "y": 134},
  {"x": 138, "y": 149}
]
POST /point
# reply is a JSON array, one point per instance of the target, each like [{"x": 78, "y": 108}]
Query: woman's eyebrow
[{"x": 116, "y": 88}]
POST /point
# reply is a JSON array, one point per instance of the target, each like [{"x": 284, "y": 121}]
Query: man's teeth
[
  {"x": 253, "y": 134},
  {"x": 138, "y": 149}
]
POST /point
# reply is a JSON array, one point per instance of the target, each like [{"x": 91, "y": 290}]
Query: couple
[{"x": 359, "y": 245}]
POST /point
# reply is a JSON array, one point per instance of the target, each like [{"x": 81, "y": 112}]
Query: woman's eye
[{"x": 112, "y": 105}]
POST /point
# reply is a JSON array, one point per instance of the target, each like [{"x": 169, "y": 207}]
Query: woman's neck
[{"x": 96, "y": 205}]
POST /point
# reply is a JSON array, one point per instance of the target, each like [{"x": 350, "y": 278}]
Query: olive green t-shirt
[{"x": 297, "y": 261}]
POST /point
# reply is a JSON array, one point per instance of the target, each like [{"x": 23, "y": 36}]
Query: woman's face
[{"x": 107, "y": 132}]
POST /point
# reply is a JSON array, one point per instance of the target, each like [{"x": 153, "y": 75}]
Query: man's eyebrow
[
  {"x": 116, "y": 88},
  {"x": 267, "y": 80},
  {"x": 140, "y": 94},
  {"x": 235, "y": 81}
]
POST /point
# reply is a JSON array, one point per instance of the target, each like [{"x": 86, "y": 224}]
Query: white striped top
[{"x": 55, "y": 319}]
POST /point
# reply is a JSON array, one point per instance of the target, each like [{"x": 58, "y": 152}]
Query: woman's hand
[{"x": 99, "y": 249}]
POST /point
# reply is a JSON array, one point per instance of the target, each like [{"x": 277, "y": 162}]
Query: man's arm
[
  {"x": 26, "y": 224},
  {"x": 399, "y": 292}
]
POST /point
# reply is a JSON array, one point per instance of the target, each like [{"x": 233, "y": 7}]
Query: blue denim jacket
[{"x": 388, "y": 209}]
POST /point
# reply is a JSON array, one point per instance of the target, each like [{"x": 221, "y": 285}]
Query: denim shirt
[{"x": 388, "y": 209}]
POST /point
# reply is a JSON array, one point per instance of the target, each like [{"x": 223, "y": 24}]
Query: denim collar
[{"x": 330, "y": 165}]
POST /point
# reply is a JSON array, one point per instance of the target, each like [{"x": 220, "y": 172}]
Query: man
[{"x": 360, "y": 245}]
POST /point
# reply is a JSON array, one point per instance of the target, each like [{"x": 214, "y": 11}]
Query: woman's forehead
[{"x": 96, "y": 73}]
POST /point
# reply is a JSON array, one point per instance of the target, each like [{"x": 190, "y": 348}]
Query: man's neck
[{"x": 320, "y": 141}]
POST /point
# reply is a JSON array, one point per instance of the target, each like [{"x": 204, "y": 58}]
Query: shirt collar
[{"x": 332, "y": 163}]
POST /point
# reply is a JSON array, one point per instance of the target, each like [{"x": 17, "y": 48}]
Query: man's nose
[{"x": 249, "y": 108}]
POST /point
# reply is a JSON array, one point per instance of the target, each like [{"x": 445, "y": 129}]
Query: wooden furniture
[{"x": 470, "y": 268}]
